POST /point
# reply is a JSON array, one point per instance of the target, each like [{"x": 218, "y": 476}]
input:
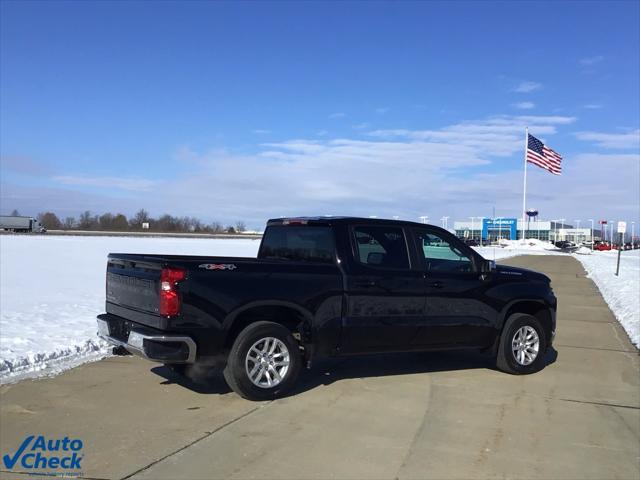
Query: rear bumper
[{"x": 146, "y": 342}]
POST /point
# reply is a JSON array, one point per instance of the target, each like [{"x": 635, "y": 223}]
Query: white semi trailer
[{"x": 21, "y": 224}]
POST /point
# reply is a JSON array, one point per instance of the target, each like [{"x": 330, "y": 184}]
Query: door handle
[
  {"x": 367, "y": 284},
  {"x": 436, "y": 284}
]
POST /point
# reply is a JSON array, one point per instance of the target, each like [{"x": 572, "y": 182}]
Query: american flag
[{"x": 541, "y": 155}]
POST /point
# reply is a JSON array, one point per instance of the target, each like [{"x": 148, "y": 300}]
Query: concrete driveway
[{"x": 395, "y": 416}]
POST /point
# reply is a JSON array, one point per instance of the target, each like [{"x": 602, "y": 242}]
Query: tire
[
  {"x": 518, "y": 357},
  {"x": 246, "y": 357}
]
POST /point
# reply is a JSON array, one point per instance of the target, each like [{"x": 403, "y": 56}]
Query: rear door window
[{"x": 381, "y": 246}]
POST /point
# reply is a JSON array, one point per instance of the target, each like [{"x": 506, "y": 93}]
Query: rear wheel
[
  {"x": 522, "y": 345},
  {"x": 264, "y": 361}
]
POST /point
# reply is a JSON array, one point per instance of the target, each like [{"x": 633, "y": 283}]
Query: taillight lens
[{"x": 169, "y": 298}]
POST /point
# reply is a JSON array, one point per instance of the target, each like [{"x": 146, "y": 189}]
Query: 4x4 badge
[{"x": 217, "y": 266}]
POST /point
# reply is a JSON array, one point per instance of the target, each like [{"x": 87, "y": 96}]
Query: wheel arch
[
  {"x": 535, "y": 307},
  {"x": 295, "y": 318}
]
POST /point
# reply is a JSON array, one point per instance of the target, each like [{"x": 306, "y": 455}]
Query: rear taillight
[{"x": 169, "y": 298}]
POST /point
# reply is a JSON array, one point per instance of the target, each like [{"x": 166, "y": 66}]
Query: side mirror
[{"x": 487, "y": 266}]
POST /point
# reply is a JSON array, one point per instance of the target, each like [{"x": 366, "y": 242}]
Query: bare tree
[
  {"x": 106, "y": 221},
  {"x": 85, "y": 221},
  {"x": 120, "y": 223},
  {"x": 216, "y": 227},
  {"x": 141, "y": 216},
  {"x": 240, "y": 227},
  {"x": 50, "y": 221},
  {"x": 15, "y": 213},
  {"x": 68, "y": 223}
]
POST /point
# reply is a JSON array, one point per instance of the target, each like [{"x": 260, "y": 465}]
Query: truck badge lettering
[{"x": 217, "y": 266}]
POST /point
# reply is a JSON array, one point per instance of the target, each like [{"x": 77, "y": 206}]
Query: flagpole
[{"x": 524, "y": 188}]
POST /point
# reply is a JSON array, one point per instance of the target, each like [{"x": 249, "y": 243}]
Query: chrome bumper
[{"x": 135, "y": 342}]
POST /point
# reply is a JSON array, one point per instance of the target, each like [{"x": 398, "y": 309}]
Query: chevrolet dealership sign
[{"x": 500, "y": 225}]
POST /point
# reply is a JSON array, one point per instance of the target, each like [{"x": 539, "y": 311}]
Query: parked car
[
  {"x": 602, "y": 246},
  {"x": 565, "y": 245},
  {"x": 326, "y": 287},
  {"x": 472, "y": 242}
]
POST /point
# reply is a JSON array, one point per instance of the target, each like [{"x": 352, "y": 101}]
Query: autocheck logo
[{"x": 40, "y": 453}]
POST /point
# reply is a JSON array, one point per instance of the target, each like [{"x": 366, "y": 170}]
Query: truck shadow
[
  {"x": 208, "y": 379},
  {"x": 381, "y": 365}
]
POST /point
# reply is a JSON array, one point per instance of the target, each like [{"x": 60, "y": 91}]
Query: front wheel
[
  {"x": 522, "y": 345},
  {"x": 264, "y": 362}
]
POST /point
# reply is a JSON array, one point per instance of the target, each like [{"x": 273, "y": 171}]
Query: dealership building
[{"x": 492, "y": 229}]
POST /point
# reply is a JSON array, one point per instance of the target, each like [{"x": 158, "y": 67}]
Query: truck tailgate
[{"x": 134, "y": 284}]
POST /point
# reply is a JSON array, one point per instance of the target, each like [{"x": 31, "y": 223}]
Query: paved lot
[{"x": 397, "y": 416}]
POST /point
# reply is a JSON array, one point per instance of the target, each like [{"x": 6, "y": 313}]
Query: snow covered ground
[
  {"x": 512, "y": 248},
  {"x": 622, "y": 293},
  {"x": 52, "y": 287}
]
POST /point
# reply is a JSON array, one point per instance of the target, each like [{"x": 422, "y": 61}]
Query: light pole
[
  {"x": 472, "y": 225},
  {"x": 424, "y": 218},
  {"x": 611, "y": 232},
  {"x": 592, "y": 242},
  {"x": 633, "y": 233},
  {"x": 445, "y": 222},
  {"x": 577, "y": 229}
]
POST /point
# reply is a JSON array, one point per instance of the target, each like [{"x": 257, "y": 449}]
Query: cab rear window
[{"x": 302, "y": 244}]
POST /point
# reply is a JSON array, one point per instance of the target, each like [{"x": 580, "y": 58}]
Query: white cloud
[
  {"x": 628, "y": 140},
  {"x": 261, "y": 131},
  {"x": 322, "y": 133},
  {"x": 382, "y": 110},
  {"x": 338, "y": 115},
  {"x": 361, "y": 126},
  {"x": 406, "y": 178},
  {"x": 526, "y": 87},
  {"x": 592, "y": 106},
  {"x": 499, "y": 136},
  {"x": 119, "y": 183},
  {"x": 524, "y": 105},
  {"x": 458, "y": 170},
  {"x": 397, "y": 172},
  {"x": 591, "y": 61}
]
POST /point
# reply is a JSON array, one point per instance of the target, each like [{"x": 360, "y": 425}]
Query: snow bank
[
  {"x": 622, "y": 293},
  {"x": 52, "y": 288},
  {"x": 512, "y": 248}
]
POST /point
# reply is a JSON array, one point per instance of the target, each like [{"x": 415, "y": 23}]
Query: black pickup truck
[{"x": 326, "y": 287}]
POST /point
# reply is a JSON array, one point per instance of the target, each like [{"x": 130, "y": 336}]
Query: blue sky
[{"x": 245, "y": 111}]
